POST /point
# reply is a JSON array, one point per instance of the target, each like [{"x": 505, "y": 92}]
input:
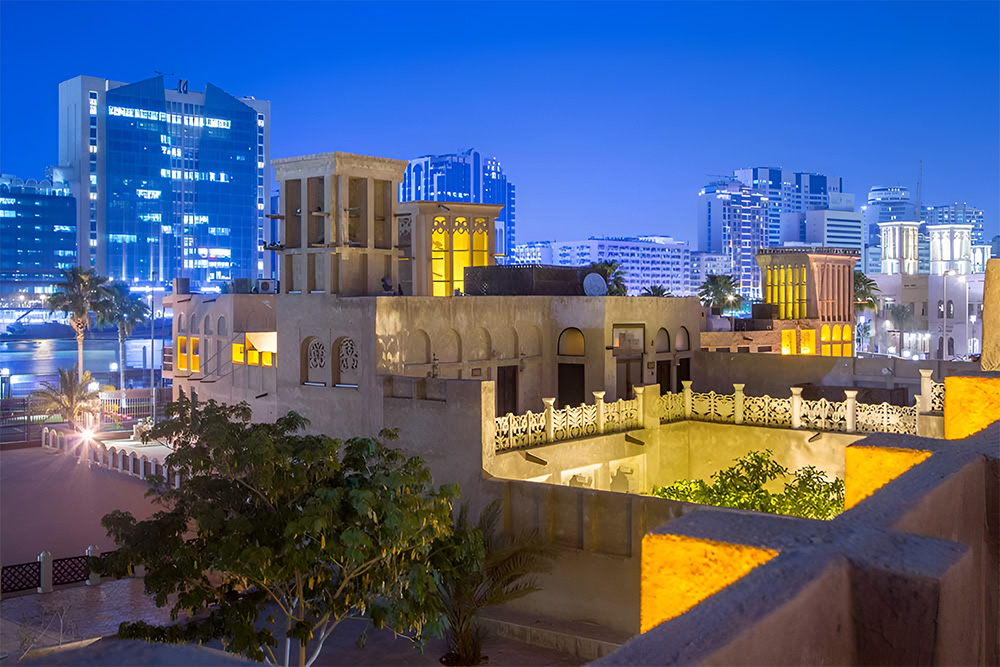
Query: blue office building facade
[
  {"x": 172, "y": 182},
  {"x": 465, "y": 177},
  {"x": 789, "y": 192},
  {"x": 37, "y": 235}
]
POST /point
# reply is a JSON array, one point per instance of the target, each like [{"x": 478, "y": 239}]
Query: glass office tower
[
  {"x": 173, "y": 181},
  {"x": 464, "y": 177}
]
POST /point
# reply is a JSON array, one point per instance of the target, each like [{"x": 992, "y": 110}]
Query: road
[{"x": 50, "y": 502}]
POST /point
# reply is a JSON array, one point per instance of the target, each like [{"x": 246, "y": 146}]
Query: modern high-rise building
[
  {"x": 705, "y": 264},
  {"x": 37, "y": 234},
  {"x": 647, "y": 261},
  {"x": 733, "y": 219},
  {"x": 885, "y": 204},
  {"x": 825, "y": 228},
  {"x": 465, "y": 177},
  {"x": 169, "y": 183},
  {"x": 957, "y": 214},
  {"x": 790, "y": 192}
]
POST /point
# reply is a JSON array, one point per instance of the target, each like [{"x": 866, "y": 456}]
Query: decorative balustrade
[
  {"x": 937, "y": 396},
  {"x": 46, "y": 572},
  {"x": 533, "y": 429},
  {"x": 121, "y": 460},
  {"x": 847, "y": 416}
]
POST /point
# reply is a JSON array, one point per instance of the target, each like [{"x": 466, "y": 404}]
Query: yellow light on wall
[
  {"x": 788, "y": 341},
  {"x": 970, "y": 405},
  {"x": 238, "y": 353},
  {"x": 678, "y": 572},
  {"x": 195, "y": 356},
  {"x": 868, "y": 469},
  {"x": 182, "y": 347},
  {"x": 808, "y": 343}
]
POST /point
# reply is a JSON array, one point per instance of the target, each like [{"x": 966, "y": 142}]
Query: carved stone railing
[
  {"x": 533, "y": 429},
  {"x": 847, "y": 416}
]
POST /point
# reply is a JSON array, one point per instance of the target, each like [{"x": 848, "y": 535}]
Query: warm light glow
[
  {"x": 868, "y": 469},
  {"x": 86, "y": 434},
  {"x": 678, "y": 572},
  {"x": 238, "y": 353},
  {"x": 970, "y": 405}
]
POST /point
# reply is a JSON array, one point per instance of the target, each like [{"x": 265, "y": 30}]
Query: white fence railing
[
  {"x": 131, "y": 404},
  {"x": 847, "y": 416},
  {"x": 551, "y": 425},
  {"x": 119, "y": 459}
]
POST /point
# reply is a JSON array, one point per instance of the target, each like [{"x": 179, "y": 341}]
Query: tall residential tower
[
  {"x": 169, "y": 183},
  {"x": 464, "y": 177},
  {"x": 790, "y": 192},
  {"x": 733, "y": 220}
]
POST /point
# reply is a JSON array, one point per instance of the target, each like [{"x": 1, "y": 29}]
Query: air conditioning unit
[{"x": 266, "y": 286}]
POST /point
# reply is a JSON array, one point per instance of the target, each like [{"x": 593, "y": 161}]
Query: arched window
[
  {"x": 571, "y": 343},
  {"x": 180, "y": 321},
  {"x": 194, "y": 324},
  {"x": 951, "y": 309},
  {"x": 347, "y": 373},
  {"x": 940, "y": 309},
  {"x": 683, "y": 341},
  {"x": 314, "y": 362},
  {"x": 951, "y": 346},
  {"x": 662, "y": 341},
  {"x": 836, "y": 333},
  {"x": 207, "y": 325},
  {"x": 824, "y": 333},
  {"x": 221, "y": 329},
  {"x": 847, "y": 333}
]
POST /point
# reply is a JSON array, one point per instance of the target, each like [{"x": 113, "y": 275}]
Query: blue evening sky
[{"x": 607, "y": 117}]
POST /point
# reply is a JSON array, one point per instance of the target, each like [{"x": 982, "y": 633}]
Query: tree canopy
[
  {"x": 298, "y": 531},
  {"x": 655, "y": 290},
  {"x": 720, "y": 292},
  {"x": 741, "y": 486},
  {"x": 124, "y": 310},
  {"x": 866, "y": 292},
  {"x": 72, "y": 399},
  {"x": 82, "y": 292}
]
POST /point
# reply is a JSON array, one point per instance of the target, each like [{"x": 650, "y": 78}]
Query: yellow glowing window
[
  {"x": 847, "y": 333},
  {"x": 826, "y": 350},
  {"x": 480, "y": 248},
  {"x": 836, "y": 332},
  {"x": 266, "y": 359},
  {"x": 182, "y": 353},
  {"x": 195, "y": 356},
  {"x": 461, "y": 257},
  {"x": 788, "y": 341},
  {"x": 238, "y": 355},
  {"x": 836, "y": 350},
  {"x": 824, "y": 333},
  {"x": 440, "y": 264},
  {"x": 847, "y": 350},
  {"x": 253, "y": 357},
  {"x": 808, "y": 342}
]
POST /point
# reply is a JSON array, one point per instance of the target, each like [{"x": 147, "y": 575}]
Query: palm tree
[
  {"x": 655, "y": 290},
  {"x": 71, "y": 399},
  {"x": 720, "y": 292},
  {"x": 614, "y": 274},
  {"x": 481, "y": 568},
  {"x": 82, "y": 293},
  {"x": 866, "y": 293},
  {"x": 125, "y": 310}
]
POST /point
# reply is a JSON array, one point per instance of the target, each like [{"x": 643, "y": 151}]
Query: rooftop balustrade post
[
  {"x": 599, "y": 404},
  {"x": 688, "y": 399},
  {"x": 94, "y": 577},
  {"x": 926, "y": 389},
  {"x": 45, "y": 572},
  {"x": 550, "y": 434},
  {"x": 639, "y": 399},
  {"x": 796, "y": 407},
  {"x": 851, "y": 409},
  {"x": 738, "y": 403}
]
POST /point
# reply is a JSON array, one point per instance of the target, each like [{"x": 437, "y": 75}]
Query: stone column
[
  {"x": 639, "y": 394},
  {"x": 94, "y": 578},
  {"x": 45, "y": 572},
  {"x": 990, "y": 360},
  {"x": 599, "y": 403},
  {"x": 687, "y": 399},
  {"x": 796, "y": 407},
  {"x": 926, "y": 390},
  {"x": 851, "y": 409},
  {"x": 738, "y": 403},
  {"x": 549, "y": 428}
]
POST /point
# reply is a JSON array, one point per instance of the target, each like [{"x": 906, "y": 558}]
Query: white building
[
  {"x": 705, "y": 264},
  {"x": 790, "y": 192},
  {"x": 646, "y": 260},
  {"x": 733, "y": 220},
  {"x": 961, "y": 214},
  {"x": 885, "y": 204}
]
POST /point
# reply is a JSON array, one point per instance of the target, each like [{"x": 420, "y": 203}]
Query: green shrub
[{"x": 741, "y": 486}]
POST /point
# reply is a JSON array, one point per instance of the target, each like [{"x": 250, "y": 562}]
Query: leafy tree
[
  {"x": 614, "y": 274},
  {"x": 866, "y": 293},
  {"x": 863, "y": 332},
  {"x": 900, "y": 316},
  {"x": 655, "y": 290},
  {"x": 125, "y": 310},
  {"x": 741, "y": 486},
  {"x": 82, "y": 293},
  {"x": 478, "y": 568},
  {"x": 299, "y": 532},
  {"x": 72, "y": 399},
  {"x": 720, "y": 292}
]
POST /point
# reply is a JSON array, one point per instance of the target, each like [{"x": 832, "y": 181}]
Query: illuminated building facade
[
  {"x": 465, "y": 177},
  {"x": 733, "y": 219},
  {"x": 885, "y": 204},
  {"x": 169, "y": 183},
  {"x": 37, "y": 234},
  {"x": 790, "y": 192},
  {"x": 957, "y": 214}
]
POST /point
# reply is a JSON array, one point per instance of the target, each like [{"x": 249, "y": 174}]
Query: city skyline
[{"x": 580, "y": 106}]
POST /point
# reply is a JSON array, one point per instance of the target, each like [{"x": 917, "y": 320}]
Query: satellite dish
[{"x": 594, "y": 285}]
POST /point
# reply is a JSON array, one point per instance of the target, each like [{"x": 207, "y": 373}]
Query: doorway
[
  {"x": 663, "y": 376},
  {"x": 629, "y": 374},
  {"x": 683, "y": 370},
  {"x": 506, "y": 389},
  {"x": 571, "y": 386}
]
